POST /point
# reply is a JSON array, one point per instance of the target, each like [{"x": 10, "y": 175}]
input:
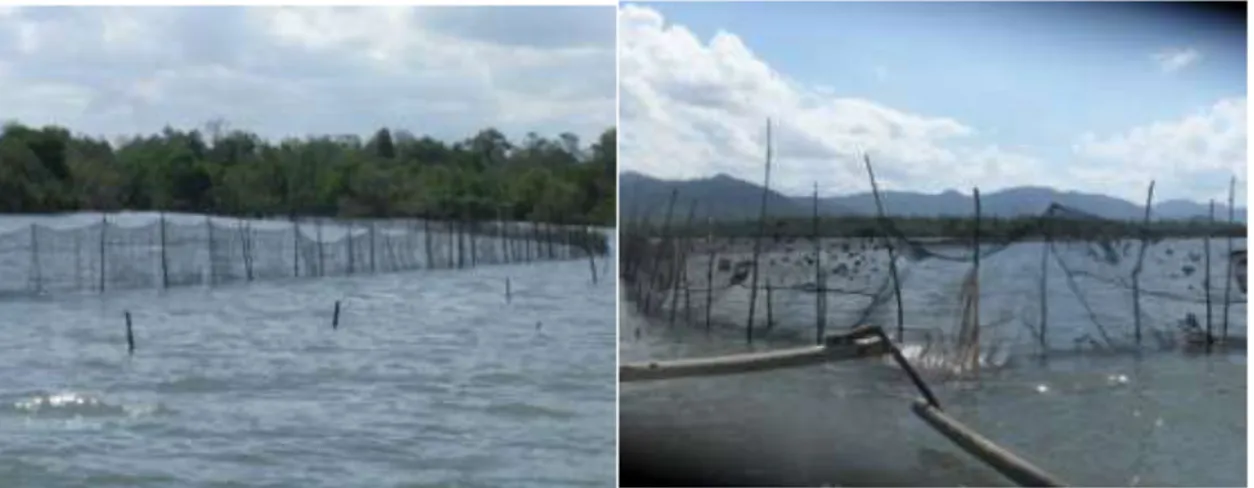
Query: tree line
[{"x": 238, "y": 173}]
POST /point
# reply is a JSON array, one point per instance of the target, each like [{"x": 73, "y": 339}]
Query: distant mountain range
[{"x": 726, "y": 198}]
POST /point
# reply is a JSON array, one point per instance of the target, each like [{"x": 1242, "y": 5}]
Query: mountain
[
  {"x": 736, "y": 199},
  {"x": 721, "y": 197}
]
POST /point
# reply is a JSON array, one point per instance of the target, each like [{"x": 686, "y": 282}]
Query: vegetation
[
  {"x": 235, "y": 172},
  {"x": 992, "y": 229}
]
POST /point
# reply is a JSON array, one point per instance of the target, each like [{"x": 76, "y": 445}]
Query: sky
[
  {"x": 1097, "y": 98},
  {"x": 444, "y": 72}
]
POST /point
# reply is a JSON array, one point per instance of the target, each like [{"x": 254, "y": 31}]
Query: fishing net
[{"x": 131, "y": 251}]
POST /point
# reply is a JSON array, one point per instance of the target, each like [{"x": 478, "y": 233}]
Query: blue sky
[{"x": 1059, "y": 90}]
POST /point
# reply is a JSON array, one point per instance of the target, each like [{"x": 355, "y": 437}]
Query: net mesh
[
  {"x": 127, "y": 251},
  {"x": 1065, "y": 280}
]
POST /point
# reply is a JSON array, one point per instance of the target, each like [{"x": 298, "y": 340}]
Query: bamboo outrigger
[{"x": 859, "y": 343}]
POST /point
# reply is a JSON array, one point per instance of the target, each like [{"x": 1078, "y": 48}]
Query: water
[
  {"x": 1165, "y": 416},
  {"x": 431, "y": 380}
]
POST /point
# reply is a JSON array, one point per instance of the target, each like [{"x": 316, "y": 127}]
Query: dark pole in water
[
  {"x": 335, "y": 319},
  {"x": 508, "y": 296},
  {"x": 130, "y": 336}
]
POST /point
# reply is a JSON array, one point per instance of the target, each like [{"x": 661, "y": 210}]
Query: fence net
[
  {"x": 1063, "y": 281},
  {"x": 135, "y": 252}
]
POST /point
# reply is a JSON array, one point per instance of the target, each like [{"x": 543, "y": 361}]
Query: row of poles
[
  {"x": 543, "y": 241},
  {"x": 675, "y": 251}
]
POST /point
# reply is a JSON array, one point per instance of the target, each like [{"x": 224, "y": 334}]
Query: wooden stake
[
  {"x": 1209, "y": 228},
  {"x": 820, "y": 292},
  {"x": 130, "y": 336},
  {"x": 888, "y": 243},
  {"x": 1232, "y": 188},
  {"x": 165, "y": 274},
  {"x": 1140, "y": 260},
  {"x": 335, "y": 319},
  {"x": 757, "y": 240}
]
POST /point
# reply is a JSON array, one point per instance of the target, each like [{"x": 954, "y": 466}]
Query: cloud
[
  {"x": 1193, "y": 156},
  {"x": 310, "y": 70},
  {"x": 1172, "y": 60},
  {"x": 691, "y": 108}
]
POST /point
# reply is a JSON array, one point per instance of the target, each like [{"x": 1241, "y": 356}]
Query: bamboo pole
[
  {"x": 1140, "y": 261},
  {"x": 757, "y": 240},
  {"x": 857, "y": 344},
  {"x": 892, "y": 256},
  {"x": 998, "y": 458}
]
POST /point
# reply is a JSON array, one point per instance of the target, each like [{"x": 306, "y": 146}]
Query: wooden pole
[
  {"x": 372, "y": 243},
  {"x": 757, "y": 239},
  {"x": 508, "y": 293},
  {"x": 1140, "y": 260},
  {"x": 888, "y": 243},
  {"x": 1206, "y": 287},
  {"x": 770, "y": 314},
  {"x": 104, "y": 227},
  {"x": 656, "y": 261},
  {"x": 295, "y": 248},
  {"x": 165, "y": 274},
  {"x": 321, "y": 256},
  {"x": 36, "y": 277},
  {"x": 243, "y": 245},
  {"x": 709, "y": 272},
  {"x": 426, "y": 236},
  {"x": 680, "y": 267},
  {"x": 213, "y": 277},
  {"x": 1232, "y": 188},
  {"x": 1044, "y": 292},
  {"x": 820, "y": 292},
  {"x": 335, "y": 318},
  {"x": 975, "y": 308},
  {"x": 130, "y": 335},
  {"x": 352, "y": 255}
]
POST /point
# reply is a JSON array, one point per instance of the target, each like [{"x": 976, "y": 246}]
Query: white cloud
[
  {"x": 1172, "y": 60},
  {"x": 296, "y": 71},
  {"x": 1192, "y": 157},
  {"x": 691, "y": 108}
]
